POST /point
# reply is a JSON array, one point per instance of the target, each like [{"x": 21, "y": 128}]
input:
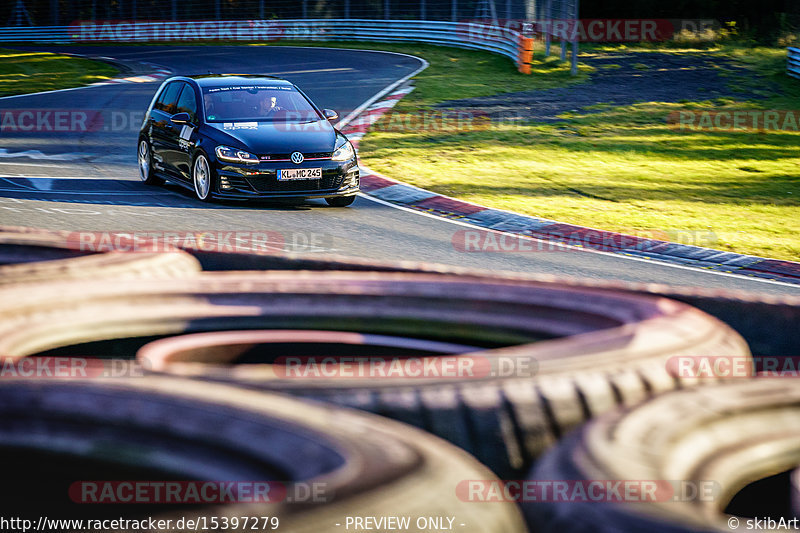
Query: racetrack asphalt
[{"x": 88, "y": 180}]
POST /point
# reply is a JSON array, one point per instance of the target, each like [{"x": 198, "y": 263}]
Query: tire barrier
[
  {"x": 196, "y": 352},
  {"x": 796, "y": 492},
  {"x": 730, "y": 446},
  {"x": 36, "y": 256},
  {"x": 173, "y": 430},
  {"x": 767, "y": 323},
  {"x": 574, "y": 352}
]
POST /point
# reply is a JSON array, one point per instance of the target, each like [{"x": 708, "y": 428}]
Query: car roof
[{"x": 216, "y": 80}]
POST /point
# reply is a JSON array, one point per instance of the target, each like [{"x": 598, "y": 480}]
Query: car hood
[{"x": 280, "y": 138}]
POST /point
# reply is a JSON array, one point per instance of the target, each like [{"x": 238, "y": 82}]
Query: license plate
[{"x": 299, "y": 174}]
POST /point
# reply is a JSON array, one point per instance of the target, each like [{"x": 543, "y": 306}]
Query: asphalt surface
[{"x": 88, "y": 181}]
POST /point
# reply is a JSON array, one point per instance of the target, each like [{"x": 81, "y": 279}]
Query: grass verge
[
  {"x": 618, "y": 168},
  {"x": 30, "y": 72}
]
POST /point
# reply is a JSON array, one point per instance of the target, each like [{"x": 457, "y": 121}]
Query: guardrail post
[
  {"x": 575, "y": 38},
  {"x": 548, "y": 24}
]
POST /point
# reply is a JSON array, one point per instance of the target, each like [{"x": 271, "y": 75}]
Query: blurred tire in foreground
[
  {"x": 573, "y": 352},
  {"x": 28, "y": 256},
  {"x": 719, "y": 454},
  {"x": 361, "y": 465}
]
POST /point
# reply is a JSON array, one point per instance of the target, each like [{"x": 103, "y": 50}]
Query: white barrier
[{"x": 503, "y": 41}]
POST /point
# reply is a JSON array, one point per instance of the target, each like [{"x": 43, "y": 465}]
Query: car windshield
[{"x": 257, "y": 103}]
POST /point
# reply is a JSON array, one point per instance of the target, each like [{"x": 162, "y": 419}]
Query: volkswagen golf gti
[{"x": 241, "y": 137}]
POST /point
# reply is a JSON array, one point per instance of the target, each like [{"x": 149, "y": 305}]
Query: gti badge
[{"x": 297, "y": 158}]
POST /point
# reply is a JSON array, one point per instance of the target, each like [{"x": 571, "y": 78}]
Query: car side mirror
[
  {"x": 330, "y": 114},
  {"x": 180, "y": 118}
]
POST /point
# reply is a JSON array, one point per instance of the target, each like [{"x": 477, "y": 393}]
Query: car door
[
  {"x": 181, "y": 152},
  {"x": 164, "y": 134}
]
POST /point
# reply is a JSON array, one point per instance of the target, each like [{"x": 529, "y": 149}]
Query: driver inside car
[{"x": 268, "y": 106}]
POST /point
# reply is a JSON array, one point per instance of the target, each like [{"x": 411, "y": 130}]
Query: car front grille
[{"x": 331, "y": 180}]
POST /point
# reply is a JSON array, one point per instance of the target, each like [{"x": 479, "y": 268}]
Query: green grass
[
  {"x": 30, "y": 72},
  {"x": 456, "y": 73},
  {"x": 619, "y": 168}
]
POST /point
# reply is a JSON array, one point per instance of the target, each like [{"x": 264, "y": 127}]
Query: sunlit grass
[
  {"x": 624, "y": 168},
  {"x": 30, "y": 72}
]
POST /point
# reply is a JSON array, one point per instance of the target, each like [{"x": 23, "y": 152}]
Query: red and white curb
[{"x": 580, "y": 237}]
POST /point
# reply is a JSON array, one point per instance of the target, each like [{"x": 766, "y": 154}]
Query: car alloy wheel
[
  {"x": 146, "y": 165},
  {"x": 201, "y": 176}
]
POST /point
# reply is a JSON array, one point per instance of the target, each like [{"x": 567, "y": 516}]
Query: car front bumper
[{"x": 261, "y": 181}]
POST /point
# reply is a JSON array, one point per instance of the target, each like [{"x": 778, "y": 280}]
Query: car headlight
[
  {"x": 344, "y": 153},
  {"x": 233, "y": 155}
]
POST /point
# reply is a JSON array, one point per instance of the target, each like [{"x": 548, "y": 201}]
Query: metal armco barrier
[
  {"x": 503, "y": 41},
  {"x": 793, "y": 63}
]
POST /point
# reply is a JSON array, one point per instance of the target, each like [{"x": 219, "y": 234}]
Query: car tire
[
  {"x": 145, "y": 426},
  {"x": 145, "y": 160},
  {"x": 203, "y": 179},
  {"x": 29, "y": 256},
  {"x": 341, "y": 201},
  {"x": 606, "y": 348},
  {"x": 704, "y": 447}
]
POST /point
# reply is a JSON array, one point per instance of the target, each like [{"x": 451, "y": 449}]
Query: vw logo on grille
[{"x": 297, "y": 158}]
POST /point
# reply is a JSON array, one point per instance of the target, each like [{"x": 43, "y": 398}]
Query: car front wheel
[{"x": 202, "y": 178}]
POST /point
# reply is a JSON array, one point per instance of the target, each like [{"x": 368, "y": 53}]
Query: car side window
[
  {"x": 187, "y": 103},
  {"x": 169, "y": 98}
]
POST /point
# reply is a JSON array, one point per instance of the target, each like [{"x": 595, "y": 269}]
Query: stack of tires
[{"x": 398, "y": 392}]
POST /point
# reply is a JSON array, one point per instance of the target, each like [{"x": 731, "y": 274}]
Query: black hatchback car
[{"x": 245, "y": 137}]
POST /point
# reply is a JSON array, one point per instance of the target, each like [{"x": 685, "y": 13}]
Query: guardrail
[
  {"x": 793, "y": 63},
  {"x": 495, "y": 39}
]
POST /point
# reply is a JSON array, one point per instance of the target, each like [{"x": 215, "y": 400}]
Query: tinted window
[
  {"x": 168, "y": 100},
  {"x": 262, "y": 103},
  {"x": 187, "y": 103}
]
